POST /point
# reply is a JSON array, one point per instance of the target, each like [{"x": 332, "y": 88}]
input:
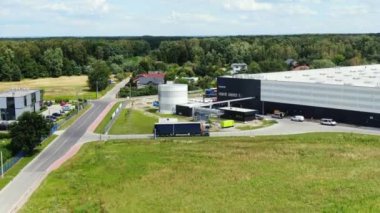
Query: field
[
  {"x": 327, "y": 172},
  {"x": 133, "y": 122},
  {"x": 61, "y": 88}
]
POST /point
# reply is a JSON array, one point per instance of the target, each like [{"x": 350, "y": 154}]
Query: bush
[
  {"x": 5, "y": 135},
  {"x": 149, "y": 90}
]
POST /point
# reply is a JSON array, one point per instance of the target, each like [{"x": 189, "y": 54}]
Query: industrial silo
[{"x": 169, "y": 95}]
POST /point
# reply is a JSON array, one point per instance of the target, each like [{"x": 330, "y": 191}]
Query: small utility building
[
  {"x": 15, "y": 102},
  {"x": 238, "y": 114}
]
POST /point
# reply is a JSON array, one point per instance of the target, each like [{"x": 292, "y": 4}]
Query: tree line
[{"x": 206, "y": 57}]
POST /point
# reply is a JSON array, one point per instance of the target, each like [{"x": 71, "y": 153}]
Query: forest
[{"x": 206, "y": 57}]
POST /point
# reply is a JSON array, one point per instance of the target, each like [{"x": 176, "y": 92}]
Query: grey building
[
  {"x": 15, "y": 102},
  {"x": 153, "y": 79}
]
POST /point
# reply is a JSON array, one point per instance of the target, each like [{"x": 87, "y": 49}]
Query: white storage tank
[{"x": 169, "y": 95}]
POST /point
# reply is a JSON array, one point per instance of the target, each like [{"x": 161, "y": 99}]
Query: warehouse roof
[
  {"x": 363, "y": 76},
  {"x": 16, "y": 93}
]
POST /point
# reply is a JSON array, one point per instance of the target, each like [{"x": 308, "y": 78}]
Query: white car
[
  {"x": 328, "y": 121},
  {"x": 298, "y": 118}
]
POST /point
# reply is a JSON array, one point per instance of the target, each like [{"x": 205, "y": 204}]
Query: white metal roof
[
  {"x": 362, "y": 76},
  {"x": 237, "y": 109},
  {"x": 16, "y": 93}
]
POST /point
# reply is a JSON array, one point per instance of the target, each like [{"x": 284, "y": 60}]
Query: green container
[{"x": 227, "y": 123}]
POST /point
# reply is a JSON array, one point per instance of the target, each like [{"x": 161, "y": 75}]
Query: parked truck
[
  {"x": 211, "y": 92},
  {"x": 180, "y": 129}
]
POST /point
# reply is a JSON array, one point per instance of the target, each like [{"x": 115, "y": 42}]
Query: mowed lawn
[
  {"x": 62, "y": 87},
  {"x": 133, "y": 122},
  {"x": 305, "y": 173}
]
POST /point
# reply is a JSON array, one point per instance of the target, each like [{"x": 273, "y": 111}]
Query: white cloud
[
  {"x": 3, "y": 12},
  {"x": 352, "y": 10},
  {"x": 298, "y": 9},
  {"x": 246, "y": 5},
  {"x": 68, "y": 6},
  {"x": 178, "y": 17}
]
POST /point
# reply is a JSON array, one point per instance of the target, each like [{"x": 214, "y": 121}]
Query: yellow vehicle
[{"x": 227, "y": 123}]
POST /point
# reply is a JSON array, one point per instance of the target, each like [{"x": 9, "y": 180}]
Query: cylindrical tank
[{"x": 169, "y": 95}]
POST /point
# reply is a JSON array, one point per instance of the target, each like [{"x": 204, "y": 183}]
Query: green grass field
[
  {"x": 133, "y": 122},
  {"x": 4, "y": 143},
  {"x": 327, "y": 172}
]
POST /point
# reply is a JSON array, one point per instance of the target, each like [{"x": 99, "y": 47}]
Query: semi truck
[
  {"x": 180, "y": 129},
  {"x": 211, "y": 92}
]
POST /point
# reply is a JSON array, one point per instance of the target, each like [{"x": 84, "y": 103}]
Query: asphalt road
[{"x": 16, "y": 193}]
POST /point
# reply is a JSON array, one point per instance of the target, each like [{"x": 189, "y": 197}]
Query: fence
[
  {"x": 114, "y": 116},
  {"x": 12, "y": 161}
]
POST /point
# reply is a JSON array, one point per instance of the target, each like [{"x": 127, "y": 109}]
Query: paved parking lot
[
  {"x": 56, "y": 108},
  {"x": 287, "y": 127}
]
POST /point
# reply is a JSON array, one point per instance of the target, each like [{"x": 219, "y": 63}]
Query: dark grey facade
[{"x": 232, "y": 88}]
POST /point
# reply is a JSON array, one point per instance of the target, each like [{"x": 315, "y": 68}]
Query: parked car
[
  {"x": 56, "y": 114},
  {"x": 298, "y": 118},
  {"x": 51, "y": 118},
  {"x": 279, "y": 115},
  {"x": 328, "y": 121},
  {"x": 66, "y": 108}
]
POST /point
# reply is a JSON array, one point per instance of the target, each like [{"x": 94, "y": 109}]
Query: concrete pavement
[
  {"x": 17, "y": 192},
  {"x": 283, "y": 127}
]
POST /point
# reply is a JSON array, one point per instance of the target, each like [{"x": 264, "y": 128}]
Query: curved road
[{"x": 16, "y": 193}]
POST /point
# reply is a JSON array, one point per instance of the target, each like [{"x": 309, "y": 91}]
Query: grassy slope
[
  {"x": 101, "y": 127},
  {"x": 134, "y": 122},
  {"x": 304, "y": 173},
  {"x": 10, "y": 174}
]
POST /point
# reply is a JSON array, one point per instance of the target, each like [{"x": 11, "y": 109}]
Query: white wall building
[{"x": 15, "y": 102}]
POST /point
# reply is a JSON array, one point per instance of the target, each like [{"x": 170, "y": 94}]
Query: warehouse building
[
  {"x": 346, "y": 94},
  {"x": 15, "y": 102},
  {"x": 238, "y": 114}
]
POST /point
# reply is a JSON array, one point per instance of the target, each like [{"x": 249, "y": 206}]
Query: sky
[{"x": 46, "y": 18}]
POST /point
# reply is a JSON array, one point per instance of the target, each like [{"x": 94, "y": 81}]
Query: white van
[
  {"x": 328, "y": 121},
  {"x": 298, "y": 118}
]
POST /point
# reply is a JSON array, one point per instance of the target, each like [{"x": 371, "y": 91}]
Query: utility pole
[
  {"x": 130, "y": 90},
  {"x": 96, "y": 89},
  {"x": 77, "y": 102},
  {"x": 2, "y": 165}
]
